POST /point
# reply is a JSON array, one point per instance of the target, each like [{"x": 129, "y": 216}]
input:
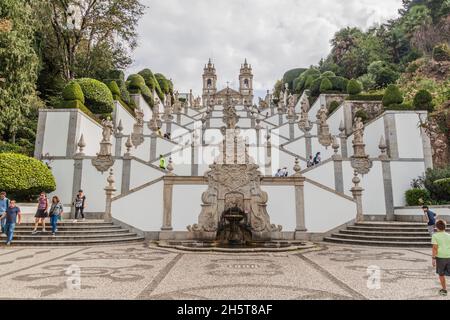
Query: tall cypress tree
[{"x": 18, "y": 65}]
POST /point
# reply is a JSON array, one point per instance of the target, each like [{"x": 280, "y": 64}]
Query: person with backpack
[
  {"x": 12, "y": 215},
  {"x": 4, "y": 204},
  {"x": 80, "y": 205},
  {"x": 317, "y": 159},
  {"x": 56, "y": 210}
]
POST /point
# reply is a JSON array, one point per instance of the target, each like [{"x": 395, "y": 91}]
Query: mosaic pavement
[{"x": 142, "y": 271}]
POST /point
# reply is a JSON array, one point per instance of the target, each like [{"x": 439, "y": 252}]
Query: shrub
[
  {"x": 444, "y": 186},
  {"x": 150, "y": 81},
  {"x": 437, "y": 191},
  {"x": 75, "y": 104},
  {"x": 392, "y": 96},
  {"x": 163, "y": 83},
  {"x": 6, "y": 147},
  {"x": 441, "y": 52},
  {"x": 116, "y": 74},
  {"x": 136, "y": 82},
  {"x": 339, "y": 83},
  {"x": 24, "y": 177},
  {"x": 328, "y": 74},
  {"x": 368, "y": 81},
  {"x": 362, "y": 114},
  {"x": 383, "y": 73},
  {"x": 423, "y": 100},
  {"x": 73, "y": 92},
  {"x": 417, "y": 197},
  {"x": 97, "y": 95},
  {"x": 354, "y": 87},
  {"x": 325, "y": 85},
  {"x": 315, "y": 87},
  {"x": 400, "y": 107},
  {"x": 115, "y": 90},
  {"x": 333, "y": 106}
]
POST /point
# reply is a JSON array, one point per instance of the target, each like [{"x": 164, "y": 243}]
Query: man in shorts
[
  {"x": 431, "y": 219},
  {"x": 441, "y": 254}
]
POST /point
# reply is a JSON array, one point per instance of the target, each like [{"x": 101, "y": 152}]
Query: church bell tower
[
  {"x": 209, "y": 82},
  {"x": 246, "y": 83}
]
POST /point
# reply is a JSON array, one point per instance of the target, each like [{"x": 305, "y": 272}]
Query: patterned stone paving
[{"x": 142, "y": 271}]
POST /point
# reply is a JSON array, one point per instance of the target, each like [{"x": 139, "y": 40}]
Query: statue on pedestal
[
  {"x": 359, "y": 160},
  {"x": 104, "y": 160}
]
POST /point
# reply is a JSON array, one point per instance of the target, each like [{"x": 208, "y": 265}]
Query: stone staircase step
[
  {"x": 74, "y": 232},
  {"x": 47, "y": 226},
  {"x": 392, "y": 224},
  {"x": 405, "y": 229},
  {"x": 76, "y": 243},
  {"x": 378, "y": 243},
  {"x": 48, "y": 236},
  {"x": 385, "y": 233},
  {"x": 381, "y": 238}
]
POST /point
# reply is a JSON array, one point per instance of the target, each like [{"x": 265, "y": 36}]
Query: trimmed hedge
[
  {"x": 98, "y": 97},
  {"x": 290, "y": 76},
  {"x": 328, "y": 74},
  {"x": 75, "y": 104},
  {"x": 24, "y": 177},
  {"x": 339, "y": 83},
  {"x": 163, "y": 83},
  {"x": 423, "y": 100},
  {"x": 114, "y": 88},
  {"x": 325, "y": 85},
  {"x": 72, "y": 91},
  {"x": 417, "y": 197},
  {"x": 151, "y": 81},
  {"x": 441, "y": 52},
  {"x": 136, "y": 85},
  {"x": 400, "y": 107},
  {"x": 315, "y": 87},
  {"x": 392, "y": 96},
  {"x": 354, "y": 87}
]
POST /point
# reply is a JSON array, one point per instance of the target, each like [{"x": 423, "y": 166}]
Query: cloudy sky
[{"x": 176, "y": 37}]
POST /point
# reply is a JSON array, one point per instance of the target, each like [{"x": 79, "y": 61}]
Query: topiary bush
[
  {"x": 72, "y": 91},
  {"x": 98, "y": 97},
  {"x": 362, "y": 114},
  {"x": 6, "y": 147},
  {"x": 365, "y": 97},
  {"x": 423, "y": 100},
  {"x": 328, "y": 74},
  {"x": 24, "y": 177},
  {"x": 400, "y": 107},
  {"x": 290, "y": 76},
  {"x": 333, "y": 106},
  {"x": 163, "y": 83},
  {"x": 392, "y": 96},
  {"x": 444, "y": 186},
  {"x": 354, "y": 87},
  {"x": 417, "y": 197},
  {"x": 339, "y": 83},
  {"x": 325, "y": 85},
  {"x": 441, "y": 52},
  {"x": 136, "y": 85},
  {"x": 115, "y": 90},
  {"x": 438, "y": 191},
  {"x": 315, "y": 87}
]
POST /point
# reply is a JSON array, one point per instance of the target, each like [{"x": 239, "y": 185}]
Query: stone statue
[
  {"x": 359, "y": 160},
  {"x": 108, "y": 128},
  {"x": 137, "y": 136},
  {"x": 358, "y": 131},
  {"x": 104, "y": 160},
  {"x": 325, "y": 137}
]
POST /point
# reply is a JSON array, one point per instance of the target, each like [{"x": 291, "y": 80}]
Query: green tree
[
  {"x": 383, "y": 73},
  {"x": 392, "y": 96},
  {"x": 18, "y": 66},
  {"x": 423, "y": 100}
]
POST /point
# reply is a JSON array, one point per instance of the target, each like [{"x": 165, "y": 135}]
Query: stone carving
[
  {"x": 104, "y": 160},
  {"x": 324, "y": 134},
  {"x": 81, "y": 145},
  {"x": 227, "y": 183},
  {"x": 168, "y": 109},
  {"x": 383, "y": 149},
  {"x": 137, "y": 136},
  {"x": 302, "y": 124},
  {"x": 177, "y": 106},
  {"x": 359, "y": 160},
  {"x": 286, "y": 94}
]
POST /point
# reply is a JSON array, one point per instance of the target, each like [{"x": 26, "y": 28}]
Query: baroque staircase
[
  {"x": 92, "y": 232},
  {"x": 384, "y": 234}
]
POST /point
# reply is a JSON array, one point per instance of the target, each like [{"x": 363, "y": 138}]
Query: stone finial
[
  {"x": 357, "y": 191},
  {"x": 170, "y": 168},
  {"x": 258, "y": 124},
  {"x": 335, "y": 145},
  {"x": 383, "y": 148},
  {"x": 111, "y": 180},
  {"x": 120, "y": 127},
  {"x": 128, "y": 145},
  {"x": 297, "y": 167},
  {"x": 81, "y": 145}
]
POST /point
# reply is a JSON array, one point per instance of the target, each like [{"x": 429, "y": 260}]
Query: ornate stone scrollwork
[
  {"x": 137, "y": 136},
  {"x": 325, "y": 137},
  {"x": 359, "y": 160},
  {"x": 104, "y": 160}
]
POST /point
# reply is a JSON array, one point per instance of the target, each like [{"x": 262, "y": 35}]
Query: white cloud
[{"x": 176, "y": 37}]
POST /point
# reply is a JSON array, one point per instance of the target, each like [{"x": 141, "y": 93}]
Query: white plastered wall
[
  {"x": 281, "y": 206},
  {"x": 186, "y": 205},
  {"x": 56, "y": 133}
]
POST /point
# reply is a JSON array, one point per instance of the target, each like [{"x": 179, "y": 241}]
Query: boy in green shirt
[{"x": 441, "y": 254}]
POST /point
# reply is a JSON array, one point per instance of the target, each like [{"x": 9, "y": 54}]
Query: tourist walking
[
  {"x": 317, "y": 159},
  {"x": 278, "y": 174},
  {"x": 41, "y": 212},
  {"x": 441, "y": 254},
  {"x": 431, "y": 219},
  {"x": 310, "y": 162},
  {"x": 56, "y": 210},
  {"x": 80, "y": 205},
  {"x": 12, "y": 216},
  {"x": 4, "y": 204},
  {"x": 162, "y": 162}
]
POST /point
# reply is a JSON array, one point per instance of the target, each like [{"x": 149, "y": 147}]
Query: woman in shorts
[{"x": 41, "y": 213}]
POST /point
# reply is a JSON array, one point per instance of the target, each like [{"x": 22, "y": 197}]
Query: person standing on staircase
[
  {"x": 431, "y": 218},
  {"x": 80, "y": 205},
  {"x": 4, "y": 204},
  {"x": 441, "y": 254},
  {"x": 56, "y": 210},
  {"x": 41, "y": 212},
  {"x": 162, "y": 162},
  {"x": 12, "y": 216}
]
